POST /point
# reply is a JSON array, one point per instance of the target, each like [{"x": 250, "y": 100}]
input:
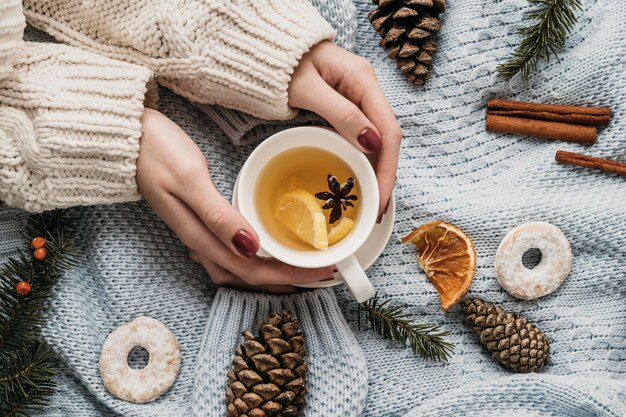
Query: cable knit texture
[
  {"x": 236, "y": 53},
  {"x": 450, "y": 168},
  {"x": 11, "y": 32},
  {"x": 337, "y": 379},
  {"x": 242, "y": 128},
  {"x": 69, "y": 128}
]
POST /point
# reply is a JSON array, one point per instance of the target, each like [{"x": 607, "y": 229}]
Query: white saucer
[{"x": 368, "y": 253}]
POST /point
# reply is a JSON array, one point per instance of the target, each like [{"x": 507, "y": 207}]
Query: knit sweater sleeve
[
  {"x": 11, "y": 32},
  {"x": 236, "y": 53},
  {"x": 70, "y": 128}
]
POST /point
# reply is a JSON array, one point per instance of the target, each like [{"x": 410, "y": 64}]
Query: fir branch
[
  {"x": 555, "y": 19},
  {"x": 21, "y": 316},
  {"x": 26, "y": 365},
  {"x": 393, "y": 323},
  {"x": 26, "y": 380}
]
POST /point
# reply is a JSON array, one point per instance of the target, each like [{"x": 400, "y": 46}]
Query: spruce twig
[
  {"x": 26, "y": 364},
  {"x": 555, "y": 19},
  {"x": 21, "y": 316},
  {"x": 393, "y": 323},
  {"x": 26, "y": 379}
]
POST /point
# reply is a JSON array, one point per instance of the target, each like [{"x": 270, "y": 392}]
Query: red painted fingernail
[
  {"x": 245, "y": 244},
  {"x": 379, "y": 218},
  {"x": 370, "y": 140},
  {"x": 386, "y": 206}
]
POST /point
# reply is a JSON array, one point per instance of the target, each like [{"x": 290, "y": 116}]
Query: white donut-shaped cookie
[
  {"x": 548, "y": 275},
  {"x": 140, "y": 385}
]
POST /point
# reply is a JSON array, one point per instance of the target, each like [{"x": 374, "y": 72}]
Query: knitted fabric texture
[
  {"x": 242, "y": 128},
  {"x": 236, "y": 54},
  {"x": 486, "y": 183},
  {"x": 11, "y": 32},
  {"x": 69, "y": 128},
  {"x": 131, "y": 264},
  {"x": 337, "y": 377}
]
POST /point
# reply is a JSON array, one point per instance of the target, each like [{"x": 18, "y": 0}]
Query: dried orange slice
[{"x": 448, "y": 258}]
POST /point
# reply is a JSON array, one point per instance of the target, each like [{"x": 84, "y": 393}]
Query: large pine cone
[
  {"x": 268, "y": 375},
  {"x": 408, "y": 29},
  {"x": 511, "y": 339}
]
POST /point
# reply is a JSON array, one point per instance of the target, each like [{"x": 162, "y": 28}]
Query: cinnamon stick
[
  {"x": 541, "y": 128},
  {"x": 568, "y": 114},
  {"x": 606, "y": 165},
  {"x": 581, "y": 119}
]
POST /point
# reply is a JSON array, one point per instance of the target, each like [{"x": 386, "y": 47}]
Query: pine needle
[
  {"x": 21, "y": 316},
  {"x": 555, "y": 19},
  {"x": 26, "y": 379},
  {"x": 26, "y": 365},
  {"x": 393, "y": 323}
]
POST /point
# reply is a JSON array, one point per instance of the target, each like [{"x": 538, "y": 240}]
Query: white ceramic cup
[{"x": 341, "y": 254}]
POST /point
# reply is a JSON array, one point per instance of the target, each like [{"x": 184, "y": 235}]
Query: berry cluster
[{"x": 23, "y": 288}]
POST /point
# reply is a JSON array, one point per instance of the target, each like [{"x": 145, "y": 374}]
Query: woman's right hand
[{"x": 172, "y": 175}]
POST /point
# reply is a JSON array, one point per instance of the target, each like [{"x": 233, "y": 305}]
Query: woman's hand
[
  {"x": 342, "y": 88},
  {"x": 173, "y": 176}
]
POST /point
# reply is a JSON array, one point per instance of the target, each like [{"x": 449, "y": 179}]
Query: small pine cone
[
  {"x": 510, "y": 338},
  {"x": 408, "y": 29},
  {"x": 268, "y": 374}
]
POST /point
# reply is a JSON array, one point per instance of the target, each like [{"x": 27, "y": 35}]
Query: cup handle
[{"x": 355, "y": 278}]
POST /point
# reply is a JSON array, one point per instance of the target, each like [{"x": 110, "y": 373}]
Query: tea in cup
[{"x": 312, "y": 198}]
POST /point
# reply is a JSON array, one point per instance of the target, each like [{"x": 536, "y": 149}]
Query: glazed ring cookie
[
  {"x": 140, "y": 385},
  {"x": 548, "y": 275}
]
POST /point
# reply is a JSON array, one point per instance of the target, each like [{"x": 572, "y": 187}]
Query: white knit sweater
[
  {"x": 70, "y": 119},
  {"x": 237, "y": 53},
  {"x": 11, "y": 30}
]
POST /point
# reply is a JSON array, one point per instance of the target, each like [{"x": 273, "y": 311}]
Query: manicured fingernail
[
  {"x": 379, "y": 218},
  {"x": 370, "y": 140},
  {"x": 386, "y": 206},
  {"x": 245, "y": 244}
]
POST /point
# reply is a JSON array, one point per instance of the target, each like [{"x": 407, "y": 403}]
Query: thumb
[
  {"x": 341, "y": 113},
  {"x": 222, "y": 219}
]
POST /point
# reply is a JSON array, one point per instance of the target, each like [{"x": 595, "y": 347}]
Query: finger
[
  {"x": 260, "y": 271},
  {"x": 341, "y": 113},
  {"x": 221, "y": 276},
  {"x": 358, "y": 83},
  {"x": 187, "y": 225},
  {"x": 192, "y": 232},
  {"x": 376, "y": 107},
  {"x": 219, "y": 216},
  {"x": 386, "y": 167},
  {"x": 190, "y": 181},
  {"x": 254, "y": 271}
]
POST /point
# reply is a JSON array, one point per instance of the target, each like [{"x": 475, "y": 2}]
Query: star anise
[{"x": 339, "y": 197}]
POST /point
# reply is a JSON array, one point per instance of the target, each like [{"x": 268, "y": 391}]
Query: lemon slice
[
  {"x": 302, "y": 214},
  {"x": 340, "y": 230},
  {"x": 291, "y": 183}
]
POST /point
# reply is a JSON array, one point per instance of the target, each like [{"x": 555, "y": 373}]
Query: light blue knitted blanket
[{"x": 450, "y": 169}]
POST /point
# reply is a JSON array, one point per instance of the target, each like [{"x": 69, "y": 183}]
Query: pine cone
[
  {"x": 511, "y": 339},
  {"x": 408, "y": 29},
  {"x": 268, "y": 375}
]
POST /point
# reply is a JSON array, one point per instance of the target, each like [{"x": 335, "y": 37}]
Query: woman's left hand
[{"x": 342, "y": 88}]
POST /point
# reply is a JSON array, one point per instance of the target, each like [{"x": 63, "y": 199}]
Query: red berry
[
  {"x": 40, "y": 254},
  {"x": 23, "y": 288},
  {"x": 38, "y": 242}
]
